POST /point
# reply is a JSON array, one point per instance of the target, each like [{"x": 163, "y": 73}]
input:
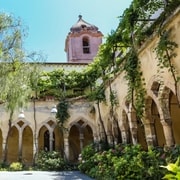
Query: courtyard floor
[{"x": 43, "y": 175}]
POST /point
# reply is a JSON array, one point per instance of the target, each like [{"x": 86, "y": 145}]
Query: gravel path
[{"x": 43, "y": 175}]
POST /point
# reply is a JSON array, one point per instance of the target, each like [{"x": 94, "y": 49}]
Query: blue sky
[{"x": 49, "y": 21}]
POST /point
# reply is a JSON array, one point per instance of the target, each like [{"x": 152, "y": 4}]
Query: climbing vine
[
  {"x": 136, "y": 90},
  {"x": 62, "y": 111},
  {"x": 165, "y": 51},
  {"x": 120, "y": 53}
]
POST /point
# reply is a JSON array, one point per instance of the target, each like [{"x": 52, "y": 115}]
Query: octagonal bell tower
[{"x": 82, "y": 42}]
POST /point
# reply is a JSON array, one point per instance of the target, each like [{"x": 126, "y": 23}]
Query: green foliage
[
  {"x": 16, "y": 166},
  {"x": 50, "y": 161},
  {"x": 165, "y": 54},
  {"x": 98, "y": 94},
  {"x": 62, "y": 111},
  {"x": 134, "y": 28},
  {"x": 165, "y": 50},
  {"x": 87, "y": 159},
  {"x": 136, "y": 90},
  {"x": 113, "y": 98},
  {"x": 14, "y": 71},
  {"x": 3, "y": 166},
  {"x": 126, "y": 162},
  {"x": 57, "y": 82},
  {"x": 51, "y": 83},
  {"x": 173, "y": 170}
]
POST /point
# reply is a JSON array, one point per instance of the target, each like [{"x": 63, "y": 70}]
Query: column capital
[
  {"x": 166, "y": 122},
  {"x": 66, "y": 134}
]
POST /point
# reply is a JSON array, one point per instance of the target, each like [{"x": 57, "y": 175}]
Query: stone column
[
  {"x": 66, "y": 148},
  {"x": 66, "y": 145},
  {"x": 133, "y": 125},
  {"x": 149, "y": 133},
  {"x": 124, "y": 136},
  {"x": 110, "y": 137},
  {"x": 81, "y": 139},
  {"x": 35, "y": 147},
  {"x": 3, "y": 148},
  {"x": 95, "y": 138},
  {"x": 134, "y": 135},
  {"x": 168, "y": 133},
  {"x": 51, "y": 141},
  {"x": 20, "y": 146}
]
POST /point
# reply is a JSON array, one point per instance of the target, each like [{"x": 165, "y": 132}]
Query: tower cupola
[
  {"x": 82, "y": 42},
  {"x": 83, "y": 25}
]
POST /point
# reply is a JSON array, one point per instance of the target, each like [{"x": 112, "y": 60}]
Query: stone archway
[
  {"x": 170, "y": 115},
  {"x": 80, "y": 135},
  {"x": 41, "y": 140},
  {"x": 131, "y": 127},
  {"x": 165, "y": 114},
  {"x": 88, "y": 135},
  {"x": 27, "y": 145},
  {"x": 159, "y": 133},
  {"x": 125, "y": 129},
  {"x": 152, "y": 123},
  {"x": 13, "y": 142},
  {"x": 174, "y": 109},
  {"x": 154, "y": 116},
  {"x": 50, "y": 137},
  {"x": 74, "y": 143},
  {"x": 141, "y": 135},
  {"x": 59, "y": 140},
  {"x": 116, "y": 129}
]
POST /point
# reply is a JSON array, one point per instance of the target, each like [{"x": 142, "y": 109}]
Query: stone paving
[{"x": 43, "y": 175}]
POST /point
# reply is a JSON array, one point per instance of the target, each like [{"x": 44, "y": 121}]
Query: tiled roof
[{"x": 83, "y": 25}]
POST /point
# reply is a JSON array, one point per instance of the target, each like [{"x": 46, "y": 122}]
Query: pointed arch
[
  {"x": 125, "y": 129},
  {"x": 13, "y": 142},
  {"x": 41, "y": 139},
  {"x": 116, "y": 129},
  {"x": 171, "y": 111},
  {"x": 80, "y": 135},
  {"x": 27, "y": 145},
  {"x": 85, "y": 122},
  {"x": 175, "y": 114},
  {"x": 50, "y": 123},
  {"x": 154, "y": 112},
  {"x": 21, "y": 123},
  {"x": 49, "y": 136},
  {"x": 74, "y": 143}
]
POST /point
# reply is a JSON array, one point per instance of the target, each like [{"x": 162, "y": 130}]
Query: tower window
[{"x": 86, "y": 47}]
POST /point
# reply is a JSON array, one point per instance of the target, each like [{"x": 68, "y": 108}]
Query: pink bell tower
[{"x": 82, "y": 42}]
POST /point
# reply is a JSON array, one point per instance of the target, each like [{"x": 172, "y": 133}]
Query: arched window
[{"x": 86, "y": 47}]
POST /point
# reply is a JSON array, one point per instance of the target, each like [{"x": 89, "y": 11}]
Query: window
[{"x": 86, "y": 48}]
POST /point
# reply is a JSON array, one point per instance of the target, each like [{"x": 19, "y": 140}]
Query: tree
[
  {"x": 34, "y": 78},
  {"x": 98, "y": 96},
  {"x": 15, "y": 72}
]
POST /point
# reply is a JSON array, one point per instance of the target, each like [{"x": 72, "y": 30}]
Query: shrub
[
  {"x": 87, "y": 162},
  {"x": 123, "y": 162},
  {"x": 174, "y": 170},
  {"x": 50, "y": 160},
  {"x": 16, "y": 166}
]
